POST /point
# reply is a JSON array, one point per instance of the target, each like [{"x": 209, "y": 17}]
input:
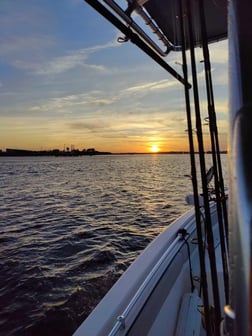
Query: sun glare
[{"x": 154, "y": 148}]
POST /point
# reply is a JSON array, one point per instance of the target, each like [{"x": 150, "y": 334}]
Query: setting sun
[{"x": 154, "y": 148}]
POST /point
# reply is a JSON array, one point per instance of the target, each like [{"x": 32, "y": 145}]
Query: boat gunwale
[{"x": 141, "y": 267}]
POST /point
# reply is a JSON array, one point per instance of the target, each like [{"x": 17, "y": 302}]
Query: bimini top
[{"x": 166, "y": 12}]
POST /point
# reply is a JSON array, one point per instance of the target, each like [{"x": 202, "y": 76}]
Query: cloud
[
  {"x": 61, "y": 64},
  {"x": 65, "y": 103},
  {"x": 23, "y": 46},
  {"x": 56, "y": 65},
  {"x": 96, "y": 125},
  {"x": 163, "y": 84},
  {"x": 24, "y": 30},
  {"x": 30, "y": 42}
]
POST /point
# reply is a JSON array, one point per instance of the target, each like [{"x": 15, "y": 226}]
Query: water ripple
[{"x": 71, "y": 226}]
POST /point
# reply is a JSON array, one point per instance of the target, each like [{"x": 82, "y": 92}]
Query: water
[{"x": 71, "y": 226}]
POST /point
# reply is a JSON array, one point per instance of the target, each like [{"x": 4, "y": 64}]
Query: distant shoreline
[{"x": 88, "y": 152}]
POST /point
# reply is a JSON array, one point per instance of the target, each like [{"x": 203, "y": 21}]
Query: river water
[{"x": 70, "y": 226}]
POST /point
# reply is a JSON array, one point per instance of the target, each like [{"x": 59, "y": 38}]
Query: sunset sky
[{"x": 65, "y": 81}]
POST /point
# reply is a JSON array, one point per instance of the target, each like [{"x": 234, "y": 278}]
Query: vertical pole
[
  {"x": 210, "y": 240},
  {"x": 194, "y": 179},
  {"x": 218, "y": 178}
]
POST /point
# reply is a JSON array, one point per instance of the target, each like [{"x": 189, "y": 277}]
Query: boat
[{"x": 195, "y": 277}]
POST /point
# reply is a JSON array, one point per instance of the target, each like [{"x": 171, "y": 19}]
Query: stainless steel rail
[
  {"x": 127, "y": 19},
  {"x": 160, "y": 267},
  {"x": 155, "y": 29},
  {"x": 169, "y": 253}
]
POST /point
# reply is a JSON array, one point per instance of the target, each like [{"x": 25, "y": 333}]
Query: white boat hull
[{"x": 147, "y": 299}]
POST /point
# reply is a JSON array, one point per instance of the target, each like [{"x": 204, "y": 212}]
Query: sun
[{"x": 154, "y": 148}]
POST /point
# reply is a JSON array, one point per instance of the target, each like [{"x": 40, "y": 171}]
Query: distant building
[
  {"x": 91, "y": 151},
  {"x": 12, "y": 151}
]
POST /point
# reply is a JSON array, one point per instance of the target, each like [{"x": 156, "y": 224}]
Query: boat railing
[
  {"x": 125, "y": 16},
  {"x": 152, "y": 277}
]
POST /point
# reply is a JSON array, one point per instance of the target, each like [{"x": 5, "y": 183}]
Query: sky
[{"x": 66, "y": 82}]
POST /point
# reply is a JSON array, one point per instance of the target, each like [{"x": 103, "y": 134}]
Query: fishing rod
[
  {"x": 219, "y": 187},
  {"x": 210, "y": 240},
  {"x": 201, "y": 248}
]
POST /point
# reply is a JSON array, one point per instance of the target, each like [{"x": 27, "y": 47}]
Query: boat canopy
[{"x": 166, "y": 12}]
